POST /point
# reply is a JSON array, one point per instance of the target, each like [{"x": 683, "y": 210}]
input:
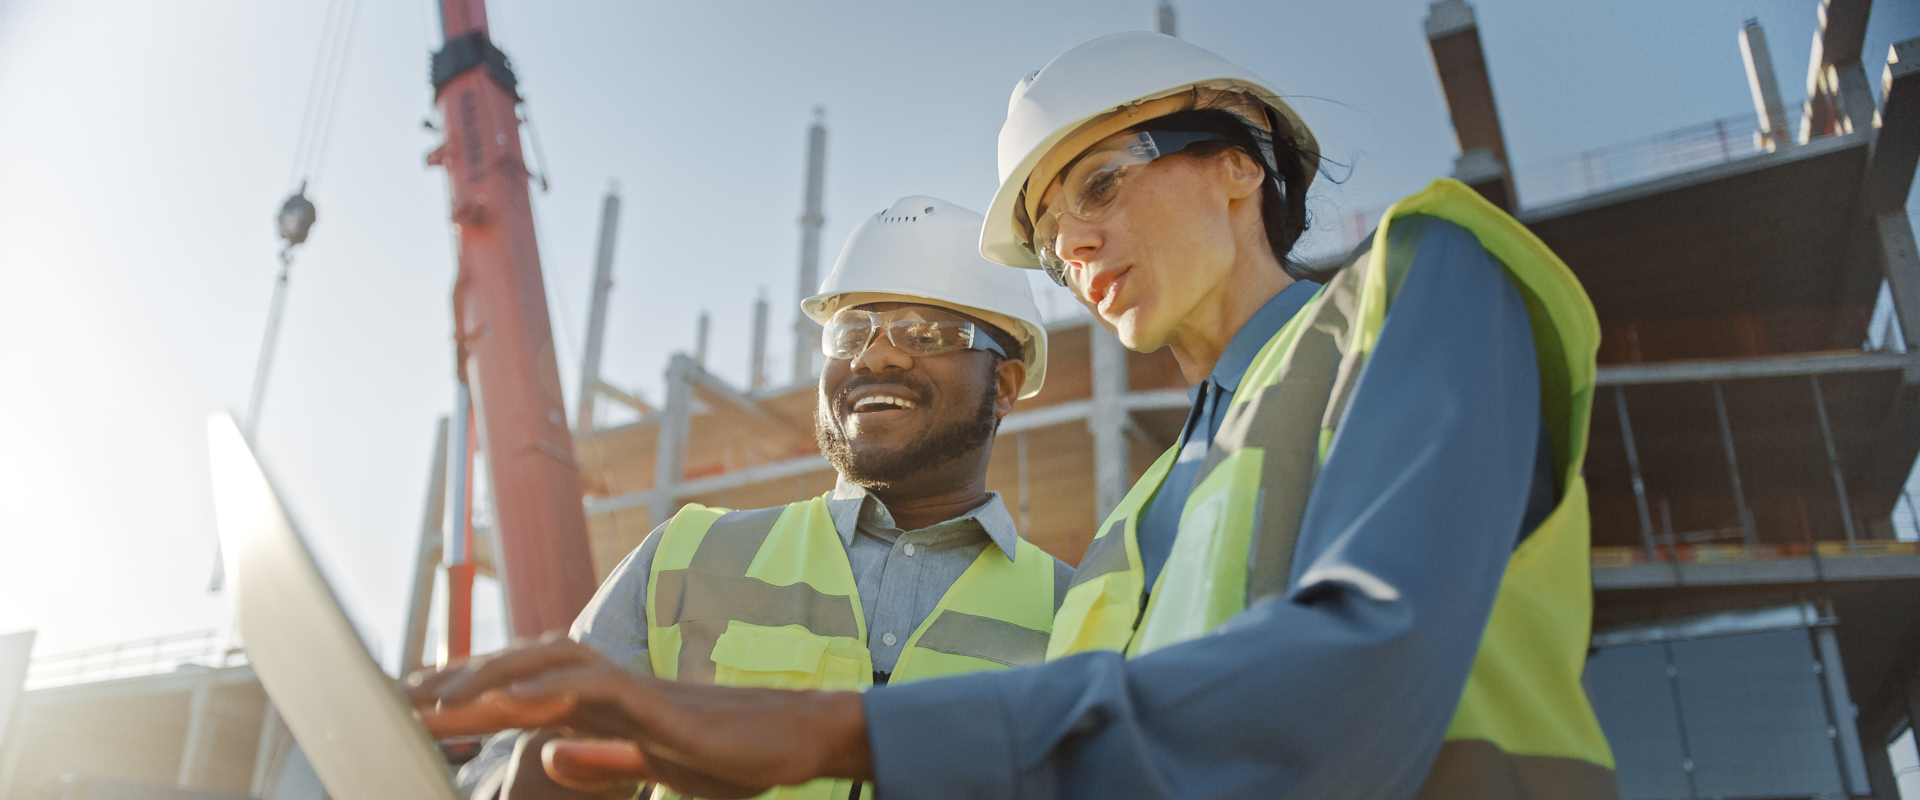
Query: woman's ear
[{"x": 1243, "y": 175}]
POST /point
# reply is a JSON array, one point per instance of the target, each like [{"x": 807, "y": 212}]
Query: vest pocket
[{"x": 777, "y": 658}]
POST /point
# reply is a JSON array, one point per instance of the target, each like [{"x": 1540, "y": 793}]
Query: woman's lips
[{"x": 1110, "y": 293}]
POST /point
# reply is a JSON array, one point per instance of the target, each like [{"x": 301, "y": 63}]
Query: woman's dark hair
[{"x": 1283, "y": 197}]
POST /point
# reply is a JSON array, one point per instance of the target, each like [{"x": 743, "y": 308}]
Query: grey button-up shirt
[{"x": 900, "y": 575}]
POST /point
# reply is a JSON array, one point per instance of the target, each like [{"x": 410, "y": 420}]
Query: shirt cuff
[{"x": 938, "y": 739}]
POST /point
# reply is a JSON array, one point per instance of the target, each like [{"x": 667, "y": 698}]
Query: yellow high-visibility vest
[
  {"x": 1524, "y": 727},
  {"x": 767, "y": 598}
]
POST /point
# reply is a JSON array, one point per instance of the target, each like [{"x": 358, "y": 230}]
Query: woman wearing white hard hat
[{"x": 1362, "y": 569}]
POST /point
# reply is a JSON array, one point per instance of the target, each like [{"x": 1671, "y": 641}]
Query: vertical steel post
[
  {"x": 1747, "y": 534},
  {"x": 806, "y": 332},
  {"x": 1846, "y": 730},
  {"x": 1633, "y": 466},
  {"x": 456, "y": 550},
  {"x": 1112, "y": 465},
  {"x": 670, "y": 454},
  {"x": 453, "y": 547},
  {"x": 597, "y": 312},
  {"x": 700, "y": 340},
  {"x": 1679, "y": 716},
  {"x": 757, "y": 371},
  {"x": 1833, "y": 463},
  {"x": 413, "y": 648}
]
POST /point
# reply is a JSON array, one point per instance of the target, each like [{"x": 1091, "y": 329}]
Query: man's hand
[
  {"x": 706, "y": 741},
  {"x": 594, "y": 766}
]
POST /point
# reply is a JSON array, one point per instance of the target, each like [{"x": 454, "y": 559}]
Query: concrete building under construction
[{"x": 1758, "y": 619}]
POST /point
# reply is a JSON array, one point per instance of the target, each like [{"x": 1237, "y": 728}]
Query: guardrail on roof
[
  {"x": 131, "y": 659},
  {"x": 1639, "y": 160}
]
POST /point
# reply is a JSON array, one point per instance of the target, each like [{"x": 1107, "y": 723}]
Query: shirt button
[
  {"x": 887, "y": 639},
  {"x": 911, "y": 550}
]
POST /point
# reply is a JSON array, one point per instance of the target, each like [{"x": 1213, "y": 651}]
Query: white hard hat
[
  {"x": 922, "y": 250},
  {"x": 1101, "y": 88}
]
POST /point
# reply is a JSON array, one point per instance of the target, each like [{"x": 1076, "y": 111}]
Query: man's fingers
[
  {"x": 464, "y": 681},
  {"x": 594, "y": 765},
  {"x": 605, "y": 698},
  {"x": 494, "y": 711}
]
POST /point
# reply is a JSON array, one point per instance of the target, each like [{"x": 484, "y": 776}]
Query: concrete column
[
  {"x": 1892, "y": 236},
  {"x": 676, "y": 422},
  {"x": 273, "y": 731},
  {"x": 1880, "y": 774},
  {"x": 10, "y": 753},
  {"x": 1453, "y": 38},
  {"x": 1855, "y": 96},
  {"x": 1112, "y": 465},
  {"x": 1765, "y": 87},
  {"x": 196, "y": 754}
]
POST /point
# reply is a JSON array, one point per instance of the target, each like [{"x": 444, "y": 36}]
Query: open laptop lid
[{"x": 347, "y": 714}]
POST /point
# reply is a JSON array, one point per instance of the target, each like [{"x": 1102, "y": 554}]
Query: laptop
[{"x": 348, "y": 715}]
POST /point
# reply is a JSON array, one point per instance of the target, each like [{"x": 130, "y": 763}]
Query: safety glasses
[
  {"x": 1089, "y": 186},
  {"x": 915, "y": 330}
]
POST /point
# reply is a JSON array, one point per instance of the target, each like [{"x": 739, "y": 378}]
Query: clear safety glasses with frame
[
  {"x": 1088, "y": 186},
  {"x": 916, "y": 331}
]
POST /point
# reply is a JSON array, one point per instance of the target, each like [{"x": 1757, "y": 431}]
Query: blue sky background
[{"x": 144, "y": 148}]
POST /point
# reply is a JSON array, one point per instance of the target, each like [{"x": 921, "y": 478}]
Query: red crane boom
[{"x": 504, "y": 339}]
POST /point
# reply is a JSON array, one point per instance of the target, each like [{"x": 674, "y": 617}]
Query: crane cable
[
  {"x": 297, "y": 214},
  {"x": 310, "y": 150}
]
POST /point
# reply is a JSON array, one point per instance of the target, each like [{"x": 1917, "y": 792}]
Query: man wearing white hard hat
[
  {"x": 1361, "y": 571},
  {"x": 909, "y": 569}
]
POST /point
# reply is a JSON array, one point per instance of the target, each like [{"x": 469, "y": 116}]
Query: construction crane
[{"x": 508, "y": 402}]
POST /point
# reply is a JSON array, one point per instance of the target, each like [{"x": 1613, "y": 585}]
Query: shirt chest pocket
[{"x": 784, "y": 658}]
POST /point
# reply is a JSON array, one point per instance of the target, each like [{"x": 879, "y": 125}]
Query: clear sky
[{"x": 144, "y": 148}]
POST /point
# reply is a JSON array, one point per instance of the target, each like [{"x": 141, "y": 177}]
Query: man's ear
[
  {"x": 1243, "y": 175},
  {"x": 1011, "y": 375}
]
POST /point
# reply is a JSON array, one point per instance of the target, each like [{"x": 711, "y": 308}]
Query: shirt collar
[
  {"x": 849, "y": 500},
  {"x": 1254, "y": 335}
]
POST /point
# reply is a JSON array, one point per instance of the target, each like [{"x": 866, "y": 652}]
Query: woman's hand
[{"x": 705, "y": 741}]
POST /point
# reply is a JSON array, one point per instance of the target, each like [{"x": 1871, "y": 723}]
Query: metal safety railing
[
  {"x": 132, "y": 659},
  {"x": 1640, "y": 160}
]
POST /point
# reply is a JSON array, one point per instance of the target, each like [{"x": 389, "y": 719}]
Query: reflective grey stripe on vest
[
  {"x": 714, "y": 588},
  {"x": 1479, "y": 769},
  {"x": 1107, "y": 554},
  {"x": 1284, "y": 420},
  {"x": 995, "y": 640}
]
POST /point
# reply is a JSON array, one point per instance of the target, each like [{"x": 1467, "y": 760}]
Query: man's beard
[{"x": 878, "y": 469}]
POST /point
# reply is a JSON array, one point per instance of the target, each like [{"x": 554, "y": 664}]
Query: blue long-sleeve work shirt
[
  {"x": 1211, "y": 398},
  {"x": 1344, "y": 685}
]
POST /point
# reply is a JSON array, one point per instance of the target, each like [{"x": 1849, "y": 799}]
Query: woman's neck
[{"x": 1205, "y": 332}]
